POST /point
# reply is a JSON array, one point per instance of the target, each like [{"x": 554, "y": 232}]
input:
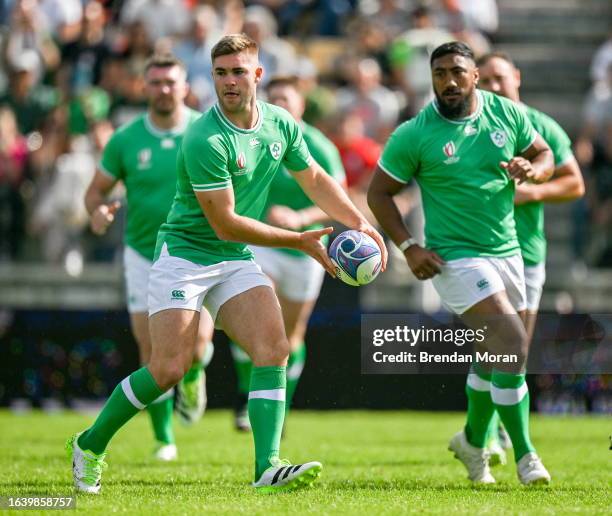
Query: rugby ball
[{"x": 356, "y": 256}]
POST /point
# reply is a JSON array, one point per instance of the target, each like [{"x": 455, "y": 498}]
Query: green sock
[
  {"x": 133, "y": 394},
  {"x": 267, "y": 413},
  {"x": 480, "y": 407},
  {"x": 194, "y": 373},
  {"x": 493, "y": 431},
  {"x": 511, "y": 397},
  {"x": 160, "y": 412},
  {"x": 295, "y": 366},
  {"x": 243, "y": 366}
]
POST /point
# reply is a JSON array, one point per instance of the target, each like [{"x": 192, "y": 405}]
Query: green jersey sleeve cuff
[
  {"x": 565, "y": 159},
  {"x": 106, "y": 172},
  {"x": 533, "y": 139},
  {"x": 391, "y": 174},
  {"x": 208, "y": 187}
]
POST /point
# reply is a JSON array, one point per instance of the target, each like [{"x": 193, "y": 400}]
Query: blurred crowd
[
  {"x": 71, "y": 72},
  {"x": 593, "y": 149}
]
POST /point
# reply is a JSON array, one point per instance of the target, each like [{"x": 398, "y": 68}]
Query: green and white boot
[{"x": 86, "y": 466}]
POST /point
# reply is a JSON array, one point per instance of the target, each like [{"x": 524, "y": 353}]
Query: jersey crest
[
  {"x": 276, "y": 150},
  {"x": 499, "y": 138}
]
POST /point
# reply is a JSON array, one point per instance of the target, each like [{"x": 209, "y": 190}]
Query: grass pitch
[{"x": 374, "y": 463}]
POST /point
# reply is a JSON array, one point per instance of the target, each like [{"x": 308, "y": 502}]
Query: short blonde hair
[{"x": 233, "y": 44}]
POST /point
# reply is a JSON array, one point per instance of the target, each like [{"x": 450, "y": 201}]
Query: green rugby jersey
[
  {"x": 529, "y": 217},
  {"x": 144, "y": 158},
  {"x": 468, "y": 199},
  {"x": 215, "y": 155},
  {"x": 285, "y": 190}
]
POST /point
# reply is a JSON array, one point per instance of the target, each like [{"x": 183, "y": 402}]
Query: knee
[
  {"x": 167, "y": 374},
  {"x": 274, "y": 353}
]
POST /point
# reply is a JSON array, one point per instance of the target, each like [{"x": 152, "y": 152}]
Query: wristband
[{"x": 407, "y": 243}]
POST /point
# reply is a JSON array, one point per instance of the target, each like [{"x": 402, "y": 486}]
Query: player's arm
[
  {"x": 219, "y": 208},
  {"x": 328, "y": 195},
  {"x": 536, "y": 164},
  {"x": 286, "y": 217},
  {"x": 102, "y": 213},
  {"x": 423, "y": 262},
  {"x": 566, "y": 184}
]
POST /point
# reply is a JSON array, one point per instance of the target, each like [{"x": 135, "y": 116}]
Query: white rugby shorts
[
  {"x": 535, "y": 276},
  {"x": 297, "y": 278},
  {"x": 136, "y": 270},
  {"x": 178, "y": 283},
  {"x": 467, "y": 281}
]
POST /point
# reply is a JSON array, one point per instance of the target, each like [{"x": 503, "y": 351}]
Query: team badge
[
  {"x": 276, "y": 149},
  {"x": 144, "y": 158},
  {"x": 449, "y": 151},
  {"x": 499, "y": 138}
]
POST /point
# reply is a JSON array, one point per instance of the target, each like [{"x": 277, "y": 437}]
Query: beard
[
  {"x": 164, "y": 107},
  {"x": 456, "y": 110}
]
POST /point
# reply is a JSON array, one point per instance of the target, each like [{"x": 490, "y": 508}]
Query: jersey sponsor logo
[
  {"x": 177, "y": 295},
  {"x": 449, "y": 150},
  {"x": 499, "y": 138},
  {"x": 470, "y": 130},
  {"x": 254, "y": 142},
  {"x": 482, "y": 284},
  {"x": 276, "y": 149},
  {"x": 144, "y": 159}
]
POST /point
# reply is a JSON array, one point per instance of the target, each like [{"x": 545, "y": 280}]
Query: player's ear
[
  {"x": 517, "y": 74},
  {"x": 476, "y": 73},
  {"x": 259, "y": 72}
]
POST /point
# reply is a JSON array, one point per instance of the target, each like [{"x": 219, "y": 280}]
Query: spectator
[
  {"x": 83, "y": 59},
  {"x": 320, "y": 100},
  {"x": 194, "y": 51},
  {"x": 137, "y": 46},
  {"x": 29, "y": 102},
  {"x": 28, "y": 35},
  {"x": 63, "y": 18},
  {"x": 276, "y": 56},
  {"x": 161, "y": 18},
  {"x": 377, "y": 106},
  {"x": 409, "y": 58},
  {"x": 391, "y": 16},
  {"x": 131, "y": 100},
  {"x": 359, "y": 155},
  {"x": 601, "y": 61},
  {"x": 478, "y": 15},
  {"x": 13, "y": 156}
]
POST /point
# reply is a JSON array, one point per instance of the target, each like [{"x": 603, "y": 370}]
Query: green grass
[{"x": 374, "y": 463}]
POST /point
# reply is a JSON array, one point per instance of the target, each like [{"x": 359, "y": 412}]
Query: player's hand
[
  {"x": 519, "y": 168},
  {"x": 284, "y": 217},
  {"x": 370, "y": 231},
  {"x": 310, "y": 242},
  {"x": 423, "y": 263},
  {"x": 103, "y": 216}
]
